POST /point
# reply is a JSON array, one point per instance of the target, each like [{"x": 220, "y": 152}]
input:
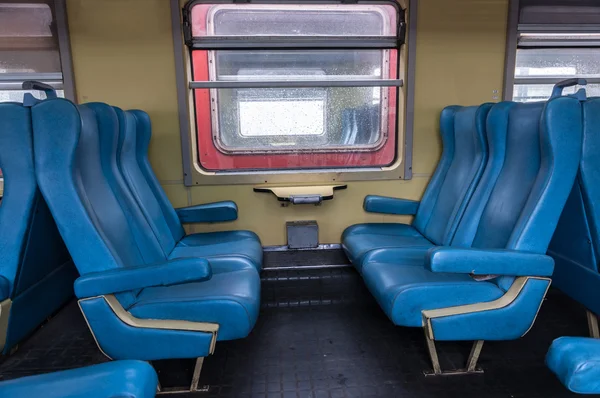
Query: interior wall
[{"x": 123, "y": 55}]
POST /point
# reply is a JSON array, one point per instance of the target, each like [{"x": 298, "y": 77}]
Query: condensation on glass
[
  {"x": 17, "y": 95},
  {"x": 554, "y": 63},
  {"x": 27, "y": 41},
  {"x": 345, "y": 20},
  {"x": 558, "y": 62},
  {"x": 301, "y": 121},
  {"x": 541, "y": 92},
  {"x": 291, "y": 119}
]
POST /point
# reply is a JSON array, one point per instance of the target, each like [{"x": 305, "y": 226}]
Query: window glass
[
  {"x": 558, "y": 62},
  {"x": 538, "y": 69},
  {"x": 285, "y": 119},
  {"x": 541, "y": 92},
  {"x": 17, "y": 95},
  {"x": 28, "y": 48},
  {"x": 27, "y": 44},
  {"x": 25, "y": 20},
  {"x": 293, "y": 20}
]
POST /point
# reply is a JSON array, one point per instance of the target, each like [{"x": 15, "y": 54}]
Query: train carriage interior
[{"x": 299, "y": 198}]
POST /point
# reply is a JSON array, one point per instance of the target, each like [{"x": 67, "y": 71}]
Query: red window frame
[{"x": 211, "y": 158}]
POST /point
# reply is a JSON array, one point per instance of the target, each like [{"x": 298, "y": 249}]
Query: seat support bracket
[
  {"x": 4, "y": 315},
  {"x": 470, "y": 368},
  {"x": 593, "y": 324},
  {"x": 193, "y": 385}
]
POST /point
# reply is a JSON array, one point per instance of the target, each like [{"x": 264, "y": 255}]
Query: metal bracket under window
[{"x": 303, "y": 195}]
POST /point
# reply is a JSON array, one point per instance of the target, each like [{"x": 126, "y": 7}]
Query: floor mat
[
  {"x": 320, "y": 334},
  {"x": 304, "y": 258}
]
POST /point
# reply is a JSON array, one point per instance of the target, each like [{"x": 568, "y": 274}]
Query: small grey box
[{"x": 302, "y": 234}]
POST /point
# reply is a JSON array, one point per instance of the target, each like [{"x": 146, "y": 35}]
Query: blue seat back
[
  {"x": 20, "y": 188},
  {"x": 589, "y": 169},
  {"x": 143, "y": 136},
  {"x": 108, "y": 136},
  {"x": 463, "y": 160},
  {"x": 33, "y": 257},
  {"x": 75, "y": 159},
  {"x": 534, "y": 154},
  {"x": 129, "y": 157},
  {"x": 576, "y": 243}
]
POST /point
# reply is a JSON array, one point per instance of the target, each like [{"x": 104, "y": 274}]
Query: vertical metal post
[
  {"x": 196, "y": 375},
  {"x": 435, "y": 361},
  {"x": 512, "y": 36},
  {"x": 410, "y": 88},
  {"x": 64, "y": 47},
  {"x": 474, "y": 356},
  {"x": 593, "y": 324}
]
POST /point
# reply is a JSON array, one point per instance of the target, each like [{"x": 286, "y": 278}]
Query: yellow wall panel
[
  {"x": 263, "y": 213},
  {"x": 460, "y": 61},
  {"x": 123, "y": 55},
  {"x": 178, "y": 194}
]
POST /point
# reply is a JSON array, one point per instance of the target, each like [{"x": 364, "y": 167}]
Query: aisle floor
[{"x": 321, "y": 334}]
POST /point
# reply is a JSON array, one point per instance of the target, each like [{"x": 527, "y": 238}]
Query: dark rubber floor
[{"x": 321, "y": 334}]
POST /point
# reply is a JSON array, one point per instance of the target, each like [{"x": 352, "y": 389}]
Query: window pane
[
  {"x": 300, "y": 64},
  {"x": 293, "y": 20},
  {"x": 17, "y": 95},
  {"x": 281, "y": 120},
  {"x": 272, "y": 116},
  {"x": 287, "y": 119},
  {"x": 27, "y": 44},
  {"x": 541, "y": 92},
  {"x": 30, "y": 61},
  {"x": 25, "y": 20},
  {"x": 558, "y": 63}
]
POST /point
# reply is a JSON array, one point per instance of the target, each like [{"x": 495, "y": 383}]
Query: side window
[
  {"x": 556, "y": 42},
  {"x": 29, "y": 48},
  {"x": 294, "y": 85}
]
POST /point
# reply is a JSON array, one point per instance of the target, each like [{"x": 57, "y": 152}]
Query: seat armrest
[
  {"x": 209, "y": 212},
  {"x": 385, "y": 205},
  {"x": 117, "y": 280},
  {"x": 4, "y": 288},
  {"x": 488, "y": 262}
]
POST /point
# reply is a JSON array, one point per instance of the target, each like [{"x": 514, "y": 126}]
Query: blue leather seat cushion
[
  {"x": 230, "y": 299},
  {"x": 358, "y": 240},
  {"x": 4, "y": 288},
  {"x": 576, "y": 362},
  {"x": 405, "y": 289},
  {"x": 133, "y": 379},
  {"x": 244, "y": 244}
]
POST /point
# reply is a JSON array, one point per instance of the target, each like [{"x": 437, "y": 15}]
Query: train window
[
  {"x": 534, "y": 68},
  {"x": 29, "y": 48},
  {"x": 297, "y": 85},
  {"x": 555, "y": 41}
]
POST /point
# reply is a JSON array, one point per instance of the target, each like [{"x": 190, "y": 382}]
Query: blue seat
[
  {"x": 134, "y": 138},
  {"x": 490, "y": 283},
  {"x": 575, "y": 246},
  {"x": 138, "y": 301},
  {"x": 462, "y": 163},
  {"x": 36, "y": 271},
  {"x": 132, "y": 379},
  {"x": 576, "y": 363}
]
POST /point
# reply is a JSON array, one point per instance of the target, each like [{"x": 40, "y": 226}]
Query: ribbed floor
[{"x": 321, "y": 334}]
